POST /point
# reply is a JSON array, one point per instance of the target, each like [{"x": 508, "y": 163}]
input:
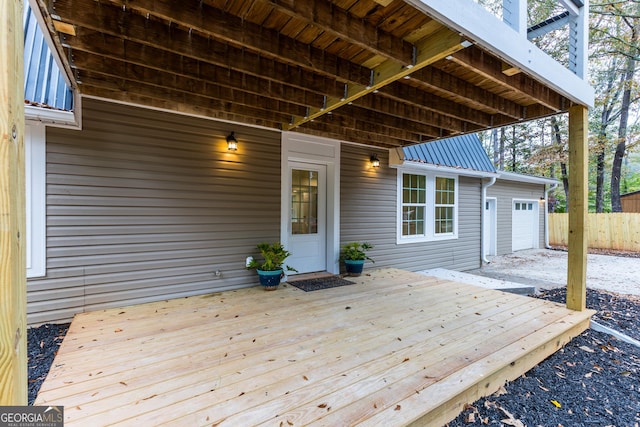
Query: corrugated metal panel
[
  {"x": 44, "y": 85},
  {"x": 463, "y": 151},
  {"x": 504, "y": 192},
  {"x": 369, "y": 212},
  {"x": 144, "y": 205}
]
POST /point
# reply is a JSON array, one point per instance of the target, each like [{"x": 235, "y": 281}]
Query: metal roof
[
  {"x": 44, "y": 84},
  {"x": 463, "y": 151}
]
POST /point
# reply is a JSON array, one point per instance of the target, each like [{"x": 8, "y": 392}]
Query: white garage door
[{"x": 524, "y": 225}]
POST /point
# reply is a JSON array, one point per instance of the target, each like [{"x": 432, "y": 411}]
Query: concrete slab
[{"x": 482, "y": 281}]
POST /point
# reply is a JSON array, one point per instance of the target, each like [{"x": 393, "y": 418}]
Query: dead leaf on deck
[
  {"x": 117, "y": 330},
  {"x": 305, "y": 378},
  {"x": 397, "y": 408},
  {"x": 322, "y": 405}
]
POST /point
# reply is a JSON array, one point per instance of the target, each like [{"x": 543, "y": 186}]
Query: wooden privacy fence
[{"x": 620, "y": 231}]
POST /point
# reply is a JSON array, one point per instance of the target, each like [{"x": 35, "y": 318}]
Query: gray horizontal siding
[
  {"x": 144, "y": 205},
  {"x": 369, "y": 212},
  {"x": 505, "y": 191}
]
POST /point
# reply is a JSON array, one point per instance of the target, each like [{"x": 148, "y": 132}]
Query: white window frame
[
  {"x": 430, "y": 211},
  {"x": 35, "y": 198}
]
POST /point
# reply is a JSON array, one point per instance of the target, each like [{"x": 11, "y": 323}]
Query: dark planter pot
[
  {"x": 354, "y": 266},
  {"x": 269, "y": 279}
]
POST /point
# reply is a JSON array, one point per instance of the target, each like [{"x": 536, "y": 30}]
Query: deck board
[{"x": 396, "y": 347}]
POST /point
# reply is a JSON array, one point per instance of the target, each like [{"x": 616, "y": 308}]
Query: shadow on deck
[{"x": 396, "y": 348}]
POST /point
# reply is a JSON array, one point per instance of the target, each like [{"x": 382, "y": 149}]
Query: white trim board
[
  {"x": 297, "y": 147},
  {"x": 35, "y": 190}
]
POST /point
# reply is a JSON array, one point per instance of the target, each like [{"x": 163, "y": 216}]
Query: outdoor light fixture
[
  {"x": 375, "y": 162},
  {"x": 232, "y": 142}
]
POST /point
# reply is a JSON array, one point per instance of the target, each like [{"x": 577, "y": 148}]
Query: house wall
[
  {"x": 630, "y": 202},
  {"x": 369, "y": 213},
  {"x": 144, "y": 205},
  {"x": 505, "y": 192}
]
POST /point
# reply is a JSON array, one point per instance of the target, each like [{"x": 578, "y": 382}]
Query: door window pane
[{"x": 304, "y": 202}]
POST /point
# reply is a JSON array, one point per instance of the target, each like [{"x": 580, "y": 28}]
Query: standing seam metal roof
[
  {"x": 463, "y": 151},
  {"x": 44, "y": 84}
]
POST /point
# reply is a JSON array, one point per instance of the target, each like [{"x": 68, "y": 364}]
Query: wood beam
[
  {"x": 251, "y": 43},
  {"x": 230, "y": 66},
  {"x": 578, "y": 203},
  {"x": 405, "y": 93},
  {"x": 451, "y": 87},
  {"x": 13, "y": 288},
  {"x": 338, "y": 22},
  {"x": 430, "y": 50},
  {"x": 491, "y": 68}
]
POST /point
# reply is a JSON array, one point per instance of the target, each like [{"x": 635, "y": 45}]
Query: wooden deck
[{"x": 396, "y": 348}]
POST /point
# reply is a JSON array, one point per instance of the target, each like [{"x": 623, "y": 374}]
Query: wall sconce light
[
  {"x": 232, "y": 142},
  {"x": 375, "y": 162}
]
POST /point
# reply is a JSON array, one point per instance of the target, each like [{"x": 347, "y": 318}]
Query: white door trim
[{"x": 303, "y": 148}]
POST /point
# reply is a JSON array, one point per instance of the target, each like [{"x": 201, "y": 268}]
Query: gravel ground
[
  {"x": 593, "y": 381},
  {"x": 546, "y": 269},
  {"x": 42, "y": 347}
]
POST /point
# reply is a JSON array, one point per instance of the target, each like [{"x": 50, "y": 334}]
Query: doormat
[{"x": 309, "y": 285}]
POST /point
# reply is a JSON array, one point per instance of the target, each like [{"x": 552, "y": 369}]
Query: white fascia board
[
  {"x": 511, "y": 176},
  {"x": 570, "y": 6},
  {"x": 49, "y": 117},
  {"x": 474, "y": 21},
  {"x": 421, "y": 167}
]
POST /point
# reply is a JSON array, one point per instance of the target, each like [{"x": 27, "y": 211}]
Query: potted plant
[
  {"x": 354, "y": 255},
  {"x": 271, "y": 269}
]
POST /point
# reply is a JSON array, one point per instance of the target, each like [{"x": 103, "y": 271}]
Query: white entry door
[
  {"x": 490, "y": 227},
  {"x": 307, "y": 217}
]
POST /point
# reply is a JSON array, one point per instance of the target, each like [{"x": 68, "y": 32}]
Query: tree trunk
[
  {"x": 621, "y": 148},
  {"x": 503, "y": 136},
  {"x": 611, "y": 98},
  {"x": 563, "y": 165},
  {"x": 496, "y": 147},
  {"x": 514, "y": 150}
]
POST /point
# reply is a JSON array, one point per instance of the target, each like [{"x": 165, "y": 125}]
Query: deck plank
[{"x": 367, "y": 353}]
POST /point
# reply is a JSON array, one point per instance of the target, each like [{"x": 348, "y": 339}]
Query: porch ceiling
[{"x": 376, "y": 72}]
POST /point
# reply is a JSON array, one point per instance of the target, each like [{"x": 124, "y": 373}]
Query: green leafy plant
[
  {"x": 273, "y": 256},
  {"x": 356, "y": 251}
]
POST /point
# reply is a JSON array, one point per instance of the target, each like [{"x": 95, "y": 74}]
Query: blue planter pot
[
  {"x": 269, "y": 279},
  {"x": 354, "y": 266}
]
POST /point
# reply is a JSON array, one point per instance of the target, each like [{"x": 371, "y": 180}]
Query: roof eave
[
  {"x": 511, "y": 176},
  {"x": 421, "y": 166}
]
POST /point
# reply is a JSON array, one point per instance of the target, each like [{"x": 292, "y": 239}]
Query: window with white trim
[
  {"x": 428, "y": 207},
  {"x": 35, "y": 198}
]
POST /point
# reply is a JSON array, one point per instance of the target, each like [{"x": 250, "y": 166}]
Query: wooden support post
[
  {"x": 13, "y": 290},
  {"x": 578, "y": 203}
]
